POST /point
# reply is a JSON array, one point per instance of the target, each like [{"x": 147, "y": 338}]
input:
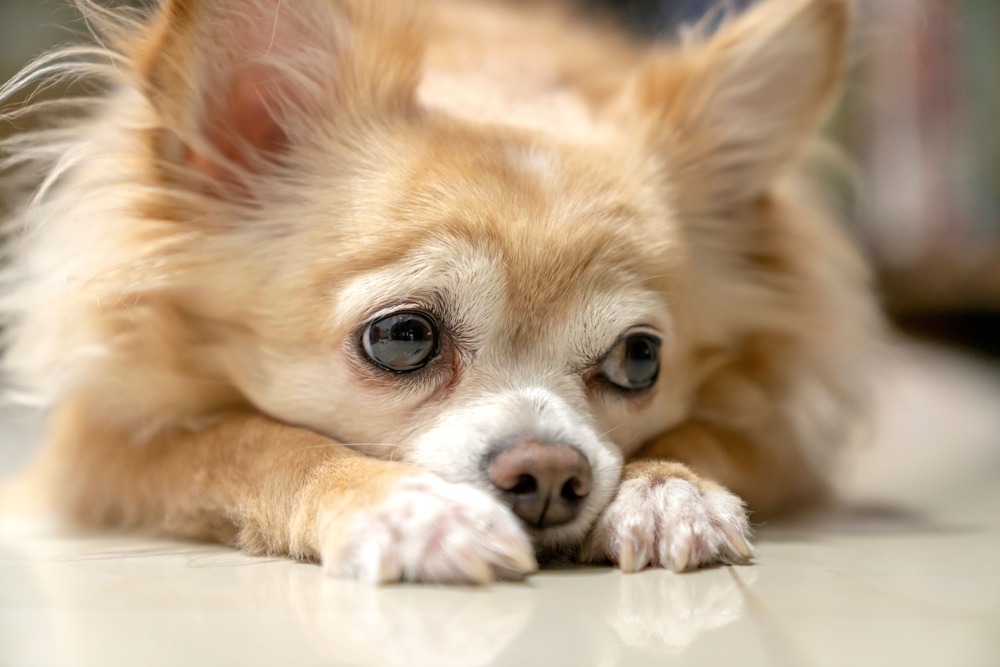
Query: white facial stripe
[
  {"x": 559, "y": 113},
  {"x": 460, "y": 439},
  {"x": 541, "y": 165}
]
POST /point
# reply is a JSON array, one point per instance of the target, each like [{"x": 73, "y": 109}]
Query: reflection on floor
[{"x": 905, "y": 572}]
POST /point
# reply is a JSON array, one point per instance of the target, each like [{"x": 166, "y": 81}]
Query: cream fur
[{"x": 264, "y": 177}]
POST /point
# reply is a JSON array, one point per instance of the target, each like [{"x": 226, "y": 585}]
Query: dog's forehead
[{"x": 505, "y": 225}]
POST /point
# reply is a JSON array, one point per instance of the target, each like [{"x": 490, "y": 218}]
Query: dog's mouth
[
  {"x": 560, "y": 543},
  {"x": 549, "y": 557},
  {"x": 566, "y": 549}
]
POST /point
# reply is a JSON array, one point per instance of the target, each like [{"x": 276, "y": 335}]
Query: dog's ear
[
  {"x": 236, "y": 83},
  {"x": 728, "y": 113}
]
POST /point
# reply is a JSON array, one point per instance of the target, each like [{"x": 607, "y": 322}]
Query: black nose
[{"x": 544, "y": 484}]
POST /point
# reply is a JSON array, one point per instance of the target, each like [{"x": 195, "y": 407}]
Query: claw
[
  {"x": 738, "y": 541},
  {"x": 388, "y": 569},
  {"x": 524, "y": 562},
  {"x": 681, "y": 556},
  {"x": 743, "y": 546},
  {"x": 479, "y": 570},
  {"x": 626, "y": 557}
]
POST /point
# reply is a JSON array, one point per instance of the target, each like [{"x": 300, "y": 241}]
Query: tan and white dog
[{"x": 422, "y": 290}]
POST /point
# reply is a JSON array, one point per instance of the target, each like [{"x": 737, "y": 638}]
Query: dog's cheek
[{"x": 319, "y": 390}]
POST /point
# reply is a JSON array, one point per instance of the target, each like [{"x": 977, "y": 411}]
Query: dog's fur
[{"x": 187, "y": 285}]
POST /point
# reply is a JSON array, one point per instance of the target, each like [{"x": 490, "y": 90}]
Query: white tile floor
[{"x": 907, "y": 573}]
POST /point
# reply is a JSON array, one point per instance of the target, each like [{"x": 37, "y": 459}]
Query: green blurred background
[{"x": 920, "y": 121}]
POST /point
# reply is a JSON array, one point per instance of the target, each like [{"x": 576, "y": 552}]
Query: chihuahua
[{"x": 429, "y": 291}]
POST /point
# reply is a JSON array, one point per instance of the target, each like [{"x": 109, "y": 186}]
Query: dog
[{"x": 436, "y": 291}]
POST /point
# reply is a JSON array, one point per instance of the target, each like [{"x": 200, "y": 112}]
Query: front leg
[
  {"x": 666, "y": 516},
  {"x": 271, "y": 488}
]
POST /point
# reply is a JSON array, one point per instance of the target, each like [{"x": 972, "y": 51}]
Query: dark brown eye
[
  {"x": 401, "y": 342},
  {"x": 634, "y": 363}
]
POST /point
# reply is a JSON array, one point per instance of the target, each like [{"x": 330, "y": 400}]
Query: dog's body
[{"x": 494, "y": 250}]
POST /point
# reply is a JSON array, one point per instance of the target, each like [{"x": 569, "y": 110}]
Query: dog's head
[{"x": 507, "y": 295}]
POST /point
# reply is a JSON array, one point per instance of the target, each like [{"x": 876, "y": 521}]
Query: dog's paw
[
  {"x": 433, "y": 531},
  {"x": 673, "y": 522}
]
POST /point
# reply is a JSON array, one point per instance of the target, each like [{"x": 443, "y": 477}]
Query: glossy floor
[{"x": 906, "y": 572}]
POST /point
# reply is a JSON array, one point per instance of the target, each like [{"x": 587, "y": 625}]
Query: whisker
[
  {"x": 610, "y": 430},
  {"x": 332, "y": 445}
]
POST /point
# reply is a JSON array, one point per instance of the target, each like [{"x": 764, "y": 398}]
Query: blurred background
[{"x": 920, "y": 120}]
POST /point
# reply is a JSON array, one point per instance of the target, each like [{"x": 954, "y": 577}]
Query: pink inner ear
[{"x": 241, "y": 124}]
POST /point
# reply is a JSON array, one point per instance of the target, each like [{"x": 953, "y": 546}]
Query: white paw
[
  {"x": 671, "y": 523},
  {"x": 433, "y": 531}
]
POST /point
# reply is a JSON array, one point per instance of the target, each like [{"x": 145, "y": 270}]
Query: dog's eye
[
  {"x": 401, "y": 342},
  {"x": 634, "y": 363}
]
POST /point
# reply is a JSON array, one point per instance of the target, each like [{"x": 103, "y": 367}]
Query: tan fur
[
  {"x": 546, "y": 183},
  {"x": 240, "y": 478}
]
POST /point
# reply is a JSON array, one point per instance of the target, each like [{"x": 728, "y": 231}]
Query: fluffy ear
[
  {"x": 729, "y": 113},
  {"x": 238, "y": 82}
]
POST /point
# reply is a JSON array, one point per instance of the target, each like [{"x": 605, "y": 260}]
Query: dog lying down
[{"x": 427, "y": 291}]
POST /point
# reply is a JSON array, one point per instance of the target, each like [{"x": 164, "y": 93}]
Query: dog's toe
[
  {"x": 672, "y": 523},
  {"x": 431, "y": 530}
]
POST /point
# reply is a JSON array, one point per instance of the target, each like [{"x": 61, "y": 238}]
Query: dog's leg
[
  {"x": 681, "y": 502},
  {"x": 271, "y": 488},
  {"x": 763, "y": 466}
]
